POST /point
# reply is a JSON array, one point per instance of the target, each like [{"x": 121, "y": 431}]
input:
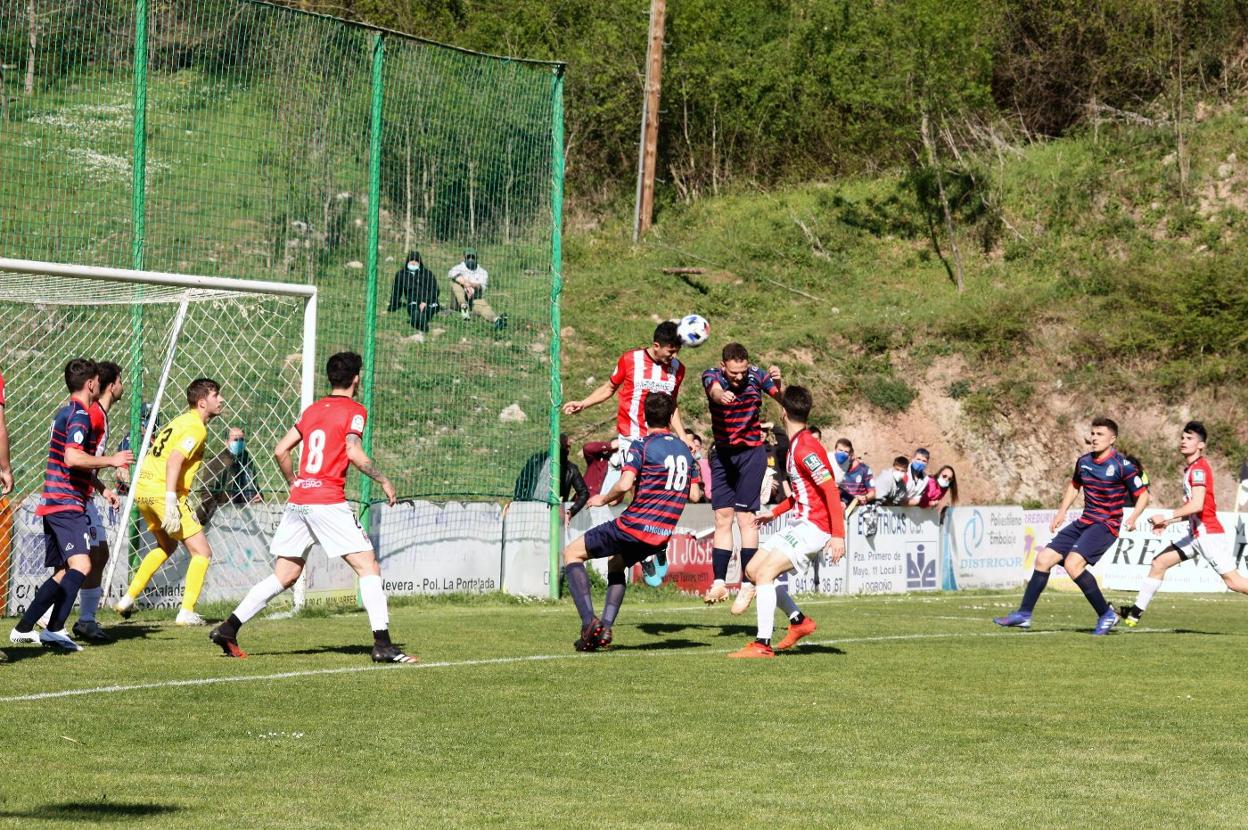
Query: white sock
[
  {"x": 1147, "y": 590},
  {"x": 259, "y": 596},
  {"x": 717, "y": 582},
  {"x": 88, "y": 601},
  {"x": 374, "y": 599},
  {"x": 45, "y": 619},
  {"x": 765, "y": 601}
]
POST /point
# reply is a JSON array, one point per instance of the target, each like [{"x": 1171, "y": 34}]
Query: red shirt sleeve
[{"x": 621, "y": 370}]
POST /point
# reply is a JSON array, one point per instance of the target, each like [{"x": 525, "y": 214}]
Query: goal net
[{"x": 255, "y": 339}]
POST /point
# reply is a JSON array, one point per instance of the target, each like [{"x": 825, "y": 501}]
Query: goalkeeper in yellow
[{"x": 165, "y": 480}]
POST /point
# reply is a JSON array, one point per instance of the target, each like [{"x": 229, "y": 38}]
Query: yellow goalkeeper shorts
[{"x": 152, "y": 508}]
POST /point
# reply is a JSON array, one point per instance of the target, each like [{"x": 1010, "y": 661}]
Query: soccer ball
[{"x": 693, "y": 330}]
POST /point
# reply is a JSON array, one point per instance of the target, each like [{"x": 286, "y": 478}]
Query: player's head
[
  {"x": 109, "y": 374},
  {"x": 413, "y": 261},
  {"x": 659, "y": 409},
  {"x": 1194, "y": 438},
  {"x": 796, "y": 402},
  {"x": 948, "y": 480},
  {"x": 343, "y": 371},
  {"x": 843, "y": 451},
  {"x": 666, "y": 342},
  {"x": 204, "y": 396},
  {"x": 470, "y": 258},
  {"x": 735, "y": 362},
  {"x": 81, "y": 375},
  {"x": 1103, "y": 435}
]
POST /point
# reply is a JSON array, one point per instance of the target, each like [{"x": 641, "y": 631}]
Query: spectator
[
  {"x": 704, "y": 465},
  {"x": 468, "y": 284},
  {"x": 240, "y": 484},
  {"x": 891, "y": 486},
  {"x": 533, "y": 483},
  {"x": 856, "y": 483},
  {"x": 945, "y": 483},
  {"x": 597, "y": 456},
  {"x": 417, "y": 287},
  {"x": 916, "y": 476}
]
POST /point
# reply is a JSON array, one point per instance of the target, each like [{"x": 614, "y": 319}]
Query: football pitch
[{"x": 900, "y": 711}]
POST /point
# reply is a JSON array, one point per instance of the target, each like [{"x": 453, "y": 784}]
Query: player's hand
[
  {"x": 1057, "y": 521},
  {"x": 774, "y": 371},
  {"x": 762, "y": 519},
  {"x": 388, "y": 489},
  {"x": 572, "y": 407},
  {"x": 173, "y": 516},
  {"x": 726, "y": 396},
  {"x": 121, "y": 459},
  {"x": 6, "y": 482},
  {"x": 111, "y": 497},
  {"x": 835, "y": 548},
  {"x": 1158, "y": 522}
]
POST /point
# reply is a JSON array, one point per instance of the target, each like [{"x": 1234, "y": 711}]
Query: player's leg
[
  {"x": 721, "y": 547},
  {"x": 1052, "y": 554},
  {"x": 575, "y": 555},
  {"x": 1162, "y": 562},
  {"x": 746, "y": 470},
  {"x": 800, "y": 625},
  {"x": 768, "y": 564},
  {"x": 286, "y": 572},
  {"x": 373, "y": 596},
  {"x": 615, "y": 597},
  {"x": 1218, "y": 549},
  {"x": 749, "y": 547},
  {"x": 196, "y": 572},
  {"x": 152, "y": 510},
  {"x": 1093, "y": 541},
  {"x": 67, "y": 538},
  {"x": 87, "y": 628}
]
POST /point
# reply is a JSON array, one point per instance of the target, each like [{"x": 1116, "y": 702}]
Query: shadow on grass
[
  {"x": 129, "y": 631},
  {"x": 92, "y": 811},
  {"x": 657, "y": 629},
  {"x": 802, "y": 651},
  {"x": 353, "y": 648},
  {"x": 661, "y": 645}
]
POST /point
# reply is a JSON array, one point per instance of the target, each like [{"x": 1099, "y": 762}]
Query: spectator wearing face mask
[
  {"x": 945, "y": 483},
  {"x": 468, "y": 283},
  {"x": 856, "y": 481},
  {"x": 704, "y": 466},
  {"x": 916, "y": 476},
  {"x": 416, "y": 288},
  {"x": 890, "y": 486}
]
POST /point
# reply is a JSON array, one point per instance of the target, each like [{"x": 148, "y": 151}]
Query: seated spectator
[
  {"x": 916, "y": 476},
  {"x": 416, "y": 289},
  {"x": 597, "y": 461},
  {"x": 239, "y": 483},
  {"x": 890, "y": 487},
  {"x": 468, "y": 284},
  {"x": 944, "y": 484},
  {"x": 856, "y": 481},
  {"x": 704, "y": 466},
  {"x": 533, "y": 483}
]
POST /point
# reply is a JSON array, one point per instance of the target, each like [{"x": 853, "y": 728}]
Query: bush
[{"x": 888, "y": 393}]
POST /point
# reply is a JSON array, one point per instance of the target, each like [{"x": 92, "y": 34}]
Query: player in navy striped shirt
[
  {"x": 66, "y": 487},
  {"x": 734, "y": 392},
  {"x": 1107, "y": 478},
  {"x": 664, "y": 475}
]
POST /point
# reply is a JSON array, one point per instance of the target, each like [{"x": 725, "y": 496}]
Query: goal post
[{"x": 257, "y": 339}]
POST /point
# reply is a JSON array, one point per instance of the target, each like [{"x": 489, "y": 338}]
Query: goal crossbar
[{"x": 96, "y": 272}]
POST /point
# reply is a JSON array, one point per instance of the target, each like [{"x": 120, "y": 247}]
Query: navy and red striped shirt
[
  {"x": 1106, "y": 483},
  {"x": 857, "y": 482},
  {"x": 737, "y": 424},
  {"x": 66, "y": 489},
  {"x": 664, "y": 468}
]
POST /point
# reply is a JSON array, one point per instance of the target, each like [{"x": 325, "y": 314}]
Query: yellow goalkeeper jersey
[{"x": 186, "y": 434}]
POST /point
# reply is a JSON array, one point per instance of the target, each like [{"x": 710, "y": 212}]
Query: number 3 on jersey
[
  {"x": 677, "y": 472},
  {"x": 316, "y": 451}
]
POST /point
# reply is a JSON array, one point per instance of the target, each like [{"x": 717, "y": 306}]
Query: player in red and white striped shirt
[
  {"x": 818, "y": 525},
  {"x": 1206, "y": 538}
]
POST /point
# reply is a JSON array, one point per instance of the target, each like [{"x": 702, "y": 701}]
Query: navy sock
[
  {"x": 746, "y": 555},
  {"x": 42, "y": 601},
  {"x": 784, "y": 600},
  {"x": 578, "y": 587},
  {"x": 1035, "y": 586},
  {"x": 719, "y": 562},
  {"x": 70, "y": 583},
  {"x": 1087, "y": 583},
  {"x": 615, "y": 596}
]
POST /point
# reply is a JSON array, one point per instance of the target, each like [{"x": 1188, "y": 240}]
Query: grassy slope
[
  {"x": 913, "y": 710},
  {"x": 1089, "y": 288}
]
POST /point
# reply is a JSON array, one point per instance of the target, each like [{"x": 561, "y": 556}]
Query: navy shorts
[
  {"x": 606, "y": 540},
  {"x": 1089, "y": 541},
  {"x": 737, "y": 477},
  {"x": 64, "y": 535}
]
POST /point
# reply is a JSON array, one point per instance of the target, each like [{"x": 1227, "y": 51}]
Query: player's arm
[
  {"x": 777, "y": 383},
  {"x": 719, "y": 394},
  {"x": 617, "y": 492},
  {"x": 1180, "y": 514},
  {"x": 6, "y": 470},
  {"x": 79, "y": 459},
  {"x": 357, "y": 456},
  {"x": 831, "y": 496},
  {"x": 602, "y": 393},
  {"x": 678, "y": 427},
  {"x": 1068, "y": 498},
  {"x": 283, "y": 452}
]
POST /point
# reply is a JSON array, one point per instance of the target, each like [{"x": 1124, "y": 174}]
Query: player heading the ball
[{"x": 331, "y": 431}]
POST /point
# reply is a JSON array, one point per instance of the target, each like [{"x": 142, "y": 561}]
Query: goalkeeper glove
[{"x": 173, "y": 517}]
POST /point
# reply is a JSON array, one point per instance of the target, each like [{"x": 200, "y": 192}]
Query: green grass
[{"x": 902, "y": 711}]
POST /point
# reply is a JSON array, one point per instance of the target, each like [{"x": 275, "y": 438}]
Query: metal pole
[
  {"x": 556, "y": 289},
  {"x": 370, "y": 297}
]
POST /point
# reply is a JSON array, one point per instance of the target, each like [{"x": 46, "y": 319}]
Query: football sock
[
  {"x": 578, "y": 587},
  {"x": 1087, "y": 583},
  {"x": 44, "y": 598},
  {"x": 70, "y": 583},
  {"x": 230, "y": 627},
  {"x": 195, "y": 573},
  {"x": 766, "y": 602},
  {"x": 381, "y": 637},
  {"x": 719, "y": 563},
  {"x": 88, "y": 602},
  {"x": 260, "y": 595},
  {"x": 1035, "y": 586},
  {"x": 1147, "y": 590},
  {"x": 615, "y": 596},
  {"x": 151, "y": 563},
  {"x": 746, "y": 555},
  {"x": 374, "y": 599},
  {"x": 785, "y": 600}
]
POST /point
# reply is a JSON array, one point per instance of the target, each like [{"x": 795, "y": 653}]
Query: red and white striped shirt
[
  {"x": 636, "y": 375},
  {"x": 809, "y": 468}
]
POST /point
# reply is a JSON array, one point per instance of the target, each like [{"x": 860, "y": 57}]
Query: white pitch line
[{"x": 500, "y": 661}]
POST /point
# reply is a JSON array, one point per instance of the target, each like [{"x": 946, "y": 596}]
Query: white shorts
[
  {"x": 1218, "y": 549},
  {"x": 99, "y": 534},
  {"x": 334, "y": 526},
  {"x": 802, "y": 543}
]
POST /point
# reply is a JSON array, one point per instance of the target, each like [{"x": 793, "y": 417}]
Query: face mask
[
  {"x": 471, "y": 263},
  {"x": 898, "y": 476},
  {"x": 413, "y": 266},
  {"x": 841, "y": 456},
  {"x": 236, "y": 446},
  {"x": 918, "y": 466},
  {"x": 944, "y": 481}
]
